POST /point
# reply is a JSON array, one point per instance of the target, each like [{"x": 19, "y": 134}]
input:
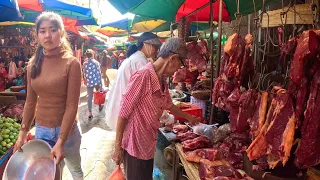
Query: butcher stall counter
[{"x": 191, "y": 169}]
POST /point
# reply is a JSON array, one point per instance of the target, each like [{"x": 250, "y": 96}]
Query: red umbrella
[{"x": 190, "y": 6}]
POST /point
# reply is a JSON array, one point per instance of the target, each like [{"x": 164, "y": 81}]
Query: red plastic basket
[
  {"x": 99, "y": 97},
  {"x": 193, "y": 110}
]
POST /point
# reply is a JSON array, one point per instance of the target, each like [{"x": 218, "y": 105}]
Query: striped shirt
[{"x": 142, "y": 106}]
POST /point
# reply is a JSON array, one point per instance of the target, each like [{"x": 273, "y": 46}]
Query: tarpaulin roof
[
  {"x": 84, "y": 16},
  {"x": 9, "y": 11}
]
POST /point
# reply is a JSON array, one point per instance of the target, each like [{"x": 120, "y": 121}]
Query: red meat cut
[
  {"x": 246, "y": 109},
  {"x": 221, "y": 91},
  {"x": 180, "y": 75},
  {"x": 259, "y": 115},
  {"x": 197, "y": 143},
  {"x": 259, "y": 145},
  {"x": 301, "y": 100},
  {"x": 280, "y": 133},
  {"x": 197, "y": 55},
  {"x": 307, "y": 47},
  {"x": 180, "y": 128},
  {"x": 209, "y": 170},
  {"x": 247, "y": 66},
  {"x": 185, "y": 136},
  {"x": 236, "y": 55},
  {"x": 233, "y": 106},
  {"x": 197, "y": 155},
  {"x": 308, "y": 153}
]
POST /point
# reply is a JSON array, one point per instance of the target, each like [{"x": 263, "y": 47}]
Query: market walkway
[{"x": 97, "y": 143}]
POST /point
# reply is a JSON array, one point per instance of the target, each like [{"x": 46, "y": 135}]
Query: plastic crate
[
  {"x": 193, "y": 110},
  {"x": 200, "y": 103}
]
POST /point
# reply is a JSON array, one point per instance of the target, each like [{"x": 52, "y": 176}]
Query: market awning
[
  {"x": 170, "y": 10},
  {"x": 9, "y": 11},
  {"x": 10, "y": 23},
  {"x": 32, "y": 8}
]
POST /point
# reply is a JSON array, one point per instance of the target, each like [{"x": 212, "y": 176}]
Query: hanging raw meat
[
  {"x": 287, "y": 50},
  {"x": 259, "y": 145},
  {"x": 280, "y": 133},
  {"x": 247, "y": 66},
  {"x": 221, "y": 91},
  {"x": 236, "y": 55},
  {"x": 180, "y": 75},
  {"x": 246, "y": 110},
  {"x": 301, "y": 100},
  {"x": 227, "y": 50},
  {"x": 307, "y": 47},
  {"x": 308, "y": 153},
  {"x": 197, "y": 56},
  {"x": 257, "y": 120},
  {"x": 233, "y": 106},
  {"x": 197, "y": 155}
]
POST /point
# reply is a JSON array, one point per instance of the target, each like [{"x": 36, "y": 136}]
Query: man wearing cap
[{"x": 137, "y": 57}]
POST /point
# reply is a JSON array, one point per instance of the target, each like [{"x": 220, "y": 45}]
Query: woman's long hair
[
  {"x": 37, "y": 59},
  {"x": 104, "y": 59}
]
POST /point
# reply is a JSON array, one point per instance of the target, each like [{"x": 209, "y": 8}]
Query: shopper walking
[
  {"x": 53, "y": 91},
  {"x": 92, "y": 73},
  {"x": 147, "y": 47},
  {"x": 143, "y": 104},
  {"x": 105, "y": 65}
]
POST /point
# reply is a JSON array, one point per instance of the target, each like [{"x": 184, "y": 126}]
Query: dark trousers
[{"x": 137, "y": 169}]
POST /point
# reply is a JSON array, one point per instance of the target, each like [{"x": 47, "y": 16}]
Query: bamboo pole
[{"x": 211, "y": 59}]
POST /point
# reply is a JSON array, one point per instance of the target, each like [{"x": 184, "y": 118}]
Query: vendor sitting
[
  {"x": 142, "y": 106},
  {"x": 3, "y": 76}
]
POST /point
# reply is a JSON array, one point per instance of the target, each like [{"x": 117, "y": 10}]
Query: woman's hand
[
  {"x": 117, "y": 156},
  {"x": 57, "y": 151},
  {"x": 20, "y": 141},
  {"x": 193, "y": 119}
]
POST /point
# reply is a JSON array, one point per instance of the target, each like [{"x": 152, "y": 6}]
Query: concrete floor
[{"x": 98, "y": 144}]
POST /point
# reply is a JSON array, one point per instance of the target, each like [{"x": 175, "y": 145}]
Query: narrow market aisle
[{"x": 97, "y": 143}]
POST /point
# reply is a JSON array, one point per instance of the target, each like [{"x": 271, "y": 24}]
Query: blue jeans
[{"x": 71, "y": 147}]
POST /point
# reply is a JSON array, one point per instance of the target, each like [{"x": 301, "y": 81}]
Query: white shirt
[{"x": 128, "y": 67}]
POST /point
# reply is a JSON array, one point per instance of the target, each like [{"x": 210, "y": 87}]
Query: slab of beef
[
  {"x": 197, "y": 143},
  {"x": 280, "y": 133},
  {"x": 232, "y": 105},
  {"x": 233, "y": 147},
  {"x": 307, "y": 47},
  {"x": 13, "y": 111},
  {"x": 247, "y": 104},
  {"x": 185, "y": 136},
  {"x": 209, "y": 170},
  {"x": 224, "y": 62},
  {"x": 308, "y": 153},
  {"x": 301, "y": 100},
  {"x": 197, "y": 55},
  {"x": 259, "y": 145},
  {"x": 259, "y": 115},
  {"x": 287, "y": 51},
  {"x": 247, "y": 66},
  {"x": 208, "y": 153},
  {"x": 221, "y": 91},
  {"x": 180, "y": 75},
  {"x": 180, "y": 128},
  {"x": 236, "y": 55}
]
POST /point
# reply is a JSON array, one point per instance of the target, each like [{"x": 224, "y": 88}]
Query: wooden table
[{"x": 192, "y": 169}]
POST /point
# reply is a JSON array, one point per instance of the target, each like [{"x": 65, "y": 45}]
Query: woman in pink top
[{"x": 142, "y": 106}]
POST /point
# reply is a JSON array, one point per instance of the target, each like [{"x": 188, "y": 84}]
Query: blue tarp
[
  {"x": 124, "y": 24},
  {"x": 9, "y": 11}
]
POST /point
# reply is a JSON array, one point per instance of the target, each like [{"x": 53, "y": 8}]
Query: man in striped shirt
[{"x": 142, "y": 106}]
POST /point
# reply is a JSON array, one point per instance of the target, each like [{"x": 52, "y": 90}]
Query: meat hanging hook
[{"x": 238, "y": 16}]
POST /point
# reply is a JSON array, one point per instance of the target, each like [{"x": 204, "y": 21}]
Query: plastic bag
[
  {"x": 167, "y": 118},
  {"x": 204, "y": 130},
  {"x": 117, "y": 174},
  {"x": 157, "y": 174},
  {"x": 99, "y": 97},
  {"x": 221, "y": 133}
]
